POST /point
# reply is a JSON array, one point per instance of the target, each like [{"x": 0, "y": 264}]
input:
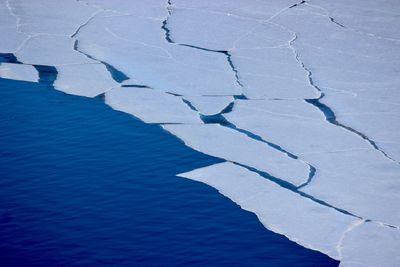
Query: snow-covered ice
[{"x": 300, "y": 98}]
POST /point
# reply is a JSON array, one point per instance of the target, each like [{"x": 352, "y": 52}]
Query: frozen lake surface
[{"x": 298, "y": 100}]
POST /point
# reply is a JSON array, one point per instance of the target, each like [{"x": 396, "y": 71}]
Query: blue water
[{"x": 83, "y": 185}]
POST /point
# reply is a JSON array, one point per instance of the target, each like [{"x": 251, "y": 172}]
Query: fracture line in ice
[{"x": 316, "y": 102}]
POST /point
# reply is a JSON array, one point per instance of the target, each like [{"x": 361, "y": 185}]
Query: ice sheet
[
  {"x": 229, "y": 144},
  {"x": 151, "y": 106},
  {"x": 274, "y": 207},
  {"x": 18, "y": 72}
]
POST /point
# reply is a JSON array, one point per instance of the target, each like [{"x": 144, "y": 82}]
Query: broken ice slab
[
  {"x": 370, "y": 244},
  {"x": 349, "y": 173},
  {"x": 209, "y": 105},
  {"x": 151, "y": 106},
  {"x": 51, "y": 50},
  {"x": 231, "y": 145},
  {"x": 18, "y": 72},
  {"x": 158, "y": 64},
  {"x": 84, "y": 80},
  {"x": 280, "y": 210}
]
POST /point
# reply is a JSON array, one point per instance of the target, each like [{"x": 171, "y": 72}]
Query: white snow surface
[{"x": 306, "y": 91}]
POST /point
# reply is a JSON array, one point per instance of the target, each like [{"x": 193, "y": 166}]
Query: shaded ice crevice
[
  {"x": 324, "y": 109},
  {"x": 116, "y": 74}
]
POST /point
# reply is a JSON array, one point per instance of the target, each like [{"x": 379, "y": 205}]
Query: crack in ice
[{"x": 326, "y": 110}]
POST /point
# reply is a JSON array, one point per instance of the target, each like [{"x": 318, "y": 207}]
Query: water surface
[{"x": 83, "y": 185}]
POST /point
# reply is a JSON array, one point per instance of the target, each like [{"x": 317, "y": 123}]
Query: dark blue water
[{"x": 83, "y": 185}]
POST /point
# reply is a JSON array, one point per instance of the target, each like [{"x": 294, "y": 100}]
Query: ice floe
[
  {"x": 151, "y": 106},
  {"x": 18, "y": 72},
  {"x": 84, "y": 80},
  {"x": 315, "y": 226}
]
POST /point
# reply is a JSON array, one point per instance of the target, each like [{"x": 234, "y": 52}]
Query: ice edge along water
[{"x": 119, "y": 77}]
